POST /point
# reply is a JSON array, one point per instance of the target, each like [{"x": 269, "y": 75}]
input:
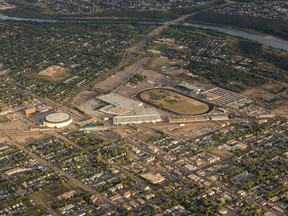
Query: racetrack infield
[{"x": 174, "y": 101}]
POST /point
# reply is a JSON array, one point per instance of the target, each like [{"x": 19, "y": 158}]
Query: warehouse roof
[
  {"x": 119, "y": 101},
  {"x": 138, "y": 115}
]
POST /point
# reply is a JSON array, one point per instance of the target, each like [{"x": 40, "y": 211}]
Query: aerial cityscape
[{"x": 143, "y": 107}]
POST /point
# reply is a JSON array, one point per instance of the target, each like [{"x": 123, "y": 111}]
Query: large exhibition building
[
  {"x": 128, "y": 111},
  {"x": 57, "y": 120}
]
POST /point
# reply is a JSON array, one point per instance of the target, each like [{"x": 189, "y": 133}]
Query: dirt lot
[
  {"x": 29, "y": 138},
  {"x": 119, "y": 78},
  {"x": 282, "y": 110},
  {"x": 125, "y": 130},
  {"x": 220, "y": 152},
  {"x": 188, "y": 131},
  {"x": 143, "y": 135},
  {"x": 13, "y": 126},
  {"x": 83, "y": 96}
]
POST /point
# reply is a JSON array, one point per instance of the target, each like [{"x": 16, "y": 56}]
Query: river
[
  {"x": 264, "y": 39},
  {"x": 4, "y": 17}
]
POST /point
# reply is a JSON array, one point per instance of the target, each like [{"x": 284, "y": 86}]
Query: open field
[
  {"x": 173, "y": 101},
  {"x": 151, "y": 78},
  {"x": 167, "y": 66},
  {"x": 263, "y": 91},
  {"x": 45, "y": 199}
]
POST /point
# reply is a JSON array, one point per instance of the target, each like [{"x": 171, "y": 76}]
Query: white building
[
  {"x": 118, "y": 105},
  {"x": 57, "y": 120},
  {"x": 128, "y": 111}
]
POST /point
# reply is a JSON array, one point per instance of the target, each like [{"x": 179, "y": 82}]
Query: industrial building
[
  {"x": 30, "y": 111},
  {"x": 225, "y": 98},
  {"x": 57, "y": 120},
  {"x": 128, "y": 111}
]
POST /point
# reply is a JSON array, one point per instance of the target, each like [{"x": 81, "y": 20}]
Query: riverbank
[
  {"x": 83, "y": 19},
  {"x": 277, "y": 28},
  {"x": 267, "y": 39}
]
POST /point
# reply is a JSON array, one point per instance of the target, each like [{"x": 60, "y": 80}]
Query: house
[
  {"x": 223, "y": 211},
  {"x": 119, "y": 186},
  {"x": 126, "y": 206},
  {"x": 127, "y": 194}
]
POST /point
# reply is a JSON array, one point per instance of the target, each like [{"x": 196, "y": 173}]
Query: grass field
[
  {"x": 174, "y": 102},
  {"x": 3, "y": 119}
]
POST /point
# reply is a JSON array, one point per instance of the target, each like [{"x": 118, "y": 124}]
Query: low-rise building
[
  {"x": 66, "y": 195},
  {"x": 153, "y": 178},
  {"x": 30, "y": 111}
]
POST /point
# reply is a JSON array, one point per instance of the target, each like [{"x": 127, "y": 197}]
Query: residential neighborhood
[{"x": 120, "y": 117}]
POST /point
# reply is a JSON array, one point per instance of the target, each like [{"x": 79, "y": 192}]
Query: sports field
[
  {"x": 54, "y": 73},
  {"x": 173, "y": 101}
]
